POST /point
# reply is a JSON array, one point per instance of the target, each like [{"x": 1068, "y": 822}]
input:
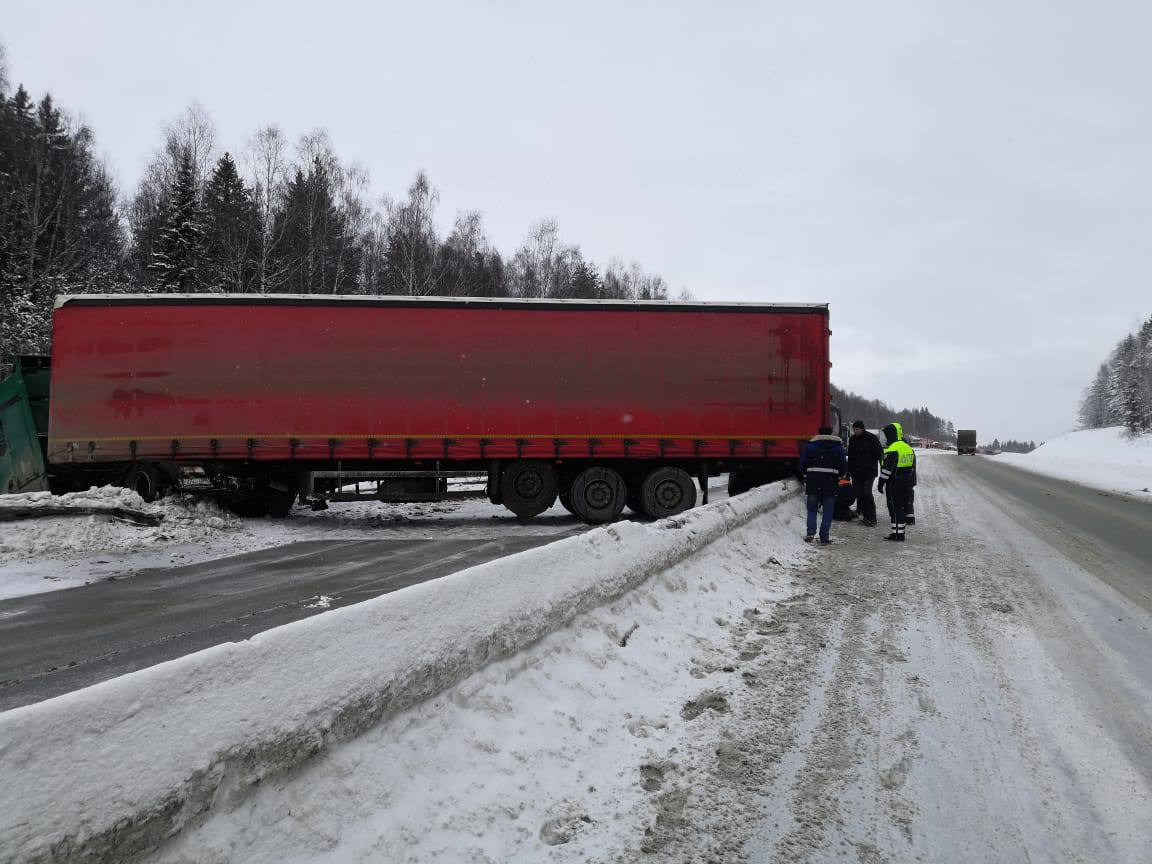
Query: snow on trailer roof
[{"x": 404, "y": 300}]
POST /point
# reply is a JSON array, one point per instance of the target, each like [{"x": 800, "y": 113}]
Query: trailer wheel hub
[
  {"x": 529, "y": 484},
  {"x": 668, "y": 494},
  {"x": 598, "y": 494}
]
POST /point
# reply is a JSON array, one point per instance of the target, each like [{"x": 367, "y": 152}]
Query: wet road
[{"x": 60, "y": 641}]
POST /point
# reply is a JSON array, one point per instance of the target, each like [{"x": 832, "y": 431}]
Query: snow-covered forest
[
  {"x": 271, "y": 215},
  {"x": 1121, "y": 393},
  {"x": 876, "y": 413}
]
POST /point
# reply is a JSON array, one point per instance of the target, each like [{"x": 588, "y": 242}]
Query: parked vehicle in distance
[
  {"x": 601, "y": 404},
  {"x": 966, "y": 441}
]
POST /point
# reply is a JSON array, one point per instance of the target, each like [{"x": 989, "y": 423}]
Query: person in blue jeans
[{"x": 822, "y": 464}]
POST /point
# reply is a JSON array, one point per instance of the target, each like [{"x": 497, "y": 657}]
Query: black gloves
[{"x": 880, "y": 486}]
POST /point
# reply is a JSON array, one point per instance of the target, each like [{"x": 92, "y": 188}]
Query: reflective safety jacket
[{"x": 899, "y": 465}]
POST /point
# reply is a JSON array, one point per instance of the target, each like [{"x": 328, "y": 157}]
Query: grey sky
[{"x": 968, "y": 184}]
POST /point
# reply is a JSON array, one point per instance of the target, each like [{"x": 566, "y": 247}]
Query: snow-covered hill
[{"x": 1104, "y": 458}]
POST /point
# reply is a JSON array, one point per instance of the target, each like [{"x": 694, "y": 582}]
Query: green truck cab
[{"x": 24, "y": 427}]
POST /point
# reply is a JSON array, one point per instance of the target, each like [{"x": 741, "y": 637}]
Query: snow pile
[
  {"x": 561, "y": 753},
  {"x": 1102, "y": 458},
  {"x": 102, "y": 497},
  {"x": 117, "y": 768},
  {"x": 184, "y": 519}
]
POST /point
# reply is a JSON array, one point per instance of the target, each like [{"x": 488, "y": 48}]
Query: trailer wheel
[
  {"x": 281, "y": 496},
  {"x": 146, "y": 480},
  {"x": 493, "y": 485},
  {"x": 598, "y": 495},
  {"x": 668, "y": 491},
  {"x": 253, "y": 506},
  {"x": 528, "y": 488}
]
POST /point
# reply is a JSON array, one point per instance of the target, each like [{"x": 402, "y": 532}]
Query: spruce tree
[
  {"x": 58, "y": 227},
  {"x": 178, "y": 255},
  {"x": 1125, "y": 382},
  {"x": 231, "y": 231},
  {"x": 1144, "y": 352},
  {"x": 1094, "y": 412},
  {"x": 314, "y": 250},
  {"x": 586, "y": 281}
]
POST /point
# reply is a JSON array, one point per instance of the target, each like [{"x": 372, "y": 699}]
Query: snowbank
[
  {"x": 55, "y": 552},
  {"x": 1102, "y": 458},
  {"x": 183, "y": 519},
  {"x": 113, "y": 770}
]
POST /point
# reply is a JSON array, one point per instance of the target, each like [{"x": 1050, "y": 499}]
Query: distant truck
[
  {"x": 966, "y": 441},
  {"x": 261, "y": 400}
]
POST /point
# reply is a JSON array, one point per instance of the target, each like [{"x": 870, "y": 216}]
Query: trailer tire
[
  {"x": 528, "y": 487},
  {"x": 668, "y": 491},
  {"x": 254, "y": 506},
  {"x": 598, "y": 495},
  {"x": 147, "y": 481},
  {"x": 281, "y": 496},
  {"x": 493, "y": 485}
]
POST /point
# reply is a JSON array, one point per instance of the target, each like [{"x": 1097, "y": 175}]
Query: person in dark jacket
[
  {"x": 822, "y": 463},
  {"x": 864, "y": 454}
]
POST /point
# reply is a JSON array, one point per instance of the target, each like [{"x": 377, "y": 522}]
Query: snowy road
[
  {"x": 1107, "y": 533},
  {"x": 54, "y": 642},
  {"x": 977, "y": 694}
]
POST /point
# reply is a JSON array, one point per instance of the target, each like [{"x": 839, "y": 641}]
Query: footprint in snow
[
  {"x": 710, "y": 700},
  {"x": 651, "y": 777}
]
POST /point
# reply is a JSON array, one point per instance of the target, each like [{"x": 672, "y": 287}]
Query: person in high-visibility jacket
[{"x": 897, "y": 477}]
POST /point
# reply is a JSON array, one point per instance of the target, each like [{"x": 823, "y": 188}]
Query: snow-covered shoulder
[
  {"x": 1108, "y": 459},
  {"x": 133, "y": 759}
]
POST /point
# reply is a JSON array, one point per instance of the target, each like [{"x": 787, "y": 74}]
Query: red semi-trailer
[{"x": 601, "y": 403}]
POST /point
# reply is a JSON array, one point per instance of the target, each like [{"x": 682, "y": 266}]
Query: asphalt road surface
[
  {"x": 60, "y": 641},
  {"x": 1106, "y": 533}
]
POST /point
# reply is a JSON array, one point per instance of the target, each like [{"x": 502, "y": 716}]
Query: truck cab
[{"x": 24, "y": 427}]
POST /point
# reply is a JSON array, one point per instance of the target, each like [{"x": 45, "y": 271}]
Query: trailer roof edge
[{"x": 403, "y": 300}]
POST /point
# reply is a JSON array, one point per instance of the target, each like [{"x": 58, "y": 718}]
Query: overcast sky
[{"x": 969, "y": 185}]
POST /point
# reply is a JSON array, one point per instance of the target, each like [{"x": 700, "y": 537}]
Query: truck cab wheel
[
  {"x": 668, "y": 491},
  {"x": 528, "y": 488},
  {"x": 598, "y": 495}
]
